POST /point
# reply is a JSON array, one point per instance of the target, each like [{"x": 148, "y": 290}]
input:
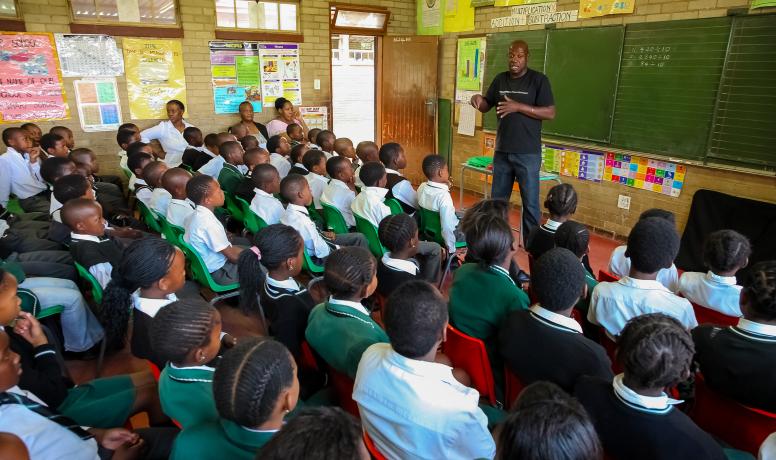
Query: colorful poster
[
  {"x": 462, "y": 17},
  {"x": 517, "y": 2},
  {"x": 582, "y": 164},
  {"x": 279, "y": 67},
  {"x": 762, "y": 3},
  {"x": 89, "y": 55},
  {"x": 315, "y": 117},
  {"x": 98, "y": 104},
  {"x": 155, "y": 75},
  {"x": 429, "y": 18},
  {"x": 31, "y": 82},
  {"x": 470, "y": 63},
  {"x": 645, "y": 174},
  {"x": 551, "y": 158},
  {"x": 594, "y": 8},
  {"x": 235, "y": 75}
]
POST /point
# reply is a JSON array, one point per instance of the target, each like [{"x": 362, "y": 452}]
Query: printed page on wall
[
  {"x": 234, "y": 68},
  {"x": 430, "y": 17},
  {"x": 98, "y": 104},
  {"x": 89, "y": 55},
  {"x": 594, "y": 8},
  {"x": 470, "y": 64},
  {"x": 280, "y": 72},
  {"x": 315, "y": 117},
  {"x": 154, "y": 72}
]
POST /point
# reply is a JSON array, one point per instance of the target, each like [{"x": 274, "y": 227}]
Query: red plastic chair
[
  {"x": 514, "y": 386},
  {"x": 611, "y": 349},
  {"x": 604, "y": 275},
  {"x": 307, "y": 359},
  {"x": 343, "y": 387},
  {"x": 708, "y": 316},
  {"x": 154, "y": 370},
  {"x": 470, "y": 355},
  {"x": 740, "y": 426},
  {"x": 370, "y": 446}
]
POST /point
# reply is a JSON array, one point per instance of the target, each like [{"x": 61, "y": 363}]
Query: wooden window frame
[
  {"x": 358, "y": 30},
  {"x": 127, "y": 29},
  {"x": 13, "y": 23},
  {"x": 239, "y": 33}
]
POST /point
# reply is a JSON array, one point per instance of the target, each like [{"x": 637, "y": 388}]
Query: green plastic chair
[
  {"x": 172, "y": 233},
  {"x": 310, "y": 266},
  {"x": 370, "y": 232},
  {"x": 149, "y": 217},
  {"x": 186, "y": 167},
  {"x": 395, "y": 206},
  {"x": 316, "y": 216},
  {"x": 127, "y": 172},
  {"x": 96, "y": 289},
  {"x": 252, "y": 221},
  {"x": 431, "y": 226},
  {"x": 31, "y": 305},
  {"x": 199, "y": 271},
  {"x": 334, "y": 219},
  {"x": 14, "y": 207},
  {"x": 233, "y": 206}
]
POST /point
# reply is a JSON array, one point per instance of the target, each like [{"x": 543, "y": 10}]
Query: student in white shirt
[
  {"x": 297, "y": 153},
  {"x": 279, "y": 149},
  {"x": 169, "y": 133},
  {"x": 434, "y": 195},
  {"x": 266, "y": 181},
  {"x": 619, "y": 264},
  {"x": 369, "y": 203},
  {"x": 325, "y": 140},
  {"x": 20, "y": 172},
  {"x": 89, "y": 245},
  {"x": 148, "y": 180},
  {"x": 160, "y": 198},
  {"x": 366, "y": 151},
  {"x": 132, "y": 150},
  {"x": 725, "y": 253},
  {"x": 392, "y": 156},
  {"x": 124, "y": 138},
  {"x": 315, "y": 162},
  {"x": 652, "y": 244},
  {"x": 206, "y": 234},
  {"x": 411, "y": 406},
  {"x": 137, "y": 164},
  {"x": 341, "y": 190},
  {"x": 180, "y": 207}
]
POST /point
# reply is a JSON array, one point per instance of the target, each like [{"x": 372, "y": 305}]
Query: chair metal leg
[
  {"x": 447, "y": 270},
  {"x": 101, "y": 356}
]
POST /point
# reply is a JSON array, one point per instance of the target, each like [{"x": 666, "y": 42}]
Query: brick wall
[{"x": 598, "y": 202}]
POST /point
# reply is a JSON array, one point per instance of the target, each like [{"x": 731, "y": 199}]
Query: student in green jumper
[
  {"x": 340, "y": 329},
  {"x": 230, "y": 177},
  {"x": 254, "y": 387}
]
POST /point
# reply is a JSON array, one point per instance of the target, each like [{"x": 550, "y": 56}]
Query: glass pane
[
  {"x": 225, "y": 13},
  {"x": 268, "y": 15},
  {"x": 247, "y": 14},
  {"x": 107, "y": 10},
  {"x": 83, "y": 9},
  {"x": 165, "y": 11},
  {"x": 7, "y": 8},
  {"x": 361, "y": 19},
  {"x": 288, "y": 16}
]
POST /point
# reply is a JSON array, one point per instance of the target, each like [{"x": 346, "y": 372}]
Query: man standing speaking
[{"x": 523, "y": 98}]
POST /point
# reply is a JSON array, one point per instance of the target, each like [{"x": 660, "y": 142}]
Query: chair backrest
[
  {"x": 514, "y": 386},
  {"x": 310, "y": 266},
  {"x": 370, "y": 232},
  {"x": 199, "y": 270},
  {"x": 171, "y": 232},
  {"x": 149, "y": 217},
  {"x": 431, "y": 225},
  {"x": 343, "y": 388},
  {"x": 233, "y": 206},
  {"x": 96, "y": 289},
  {"x": 251, "y": 220},
  {"x": 334, "y": 219},
  {"x": 740, "y": 426},
  {"x": 155, "y": 371},
  {"x": 394, "y": 205},
  {"x": 307, "y": 358},
  {"x": 470, "y": 355},
  {"x": 316, "y": 216},
  {"x": 604, "y": 275},
  {"x": 370, "y": 446},
  {"x": 708, "y": 316},
  {"x": 127, "y": 172}
]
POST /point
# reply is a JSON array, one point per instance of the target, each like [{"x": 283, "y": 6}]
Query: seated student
[
  {"x": 296, "y": 191},
  {"x": 34, "y": 132},
  {"x": 125, "y": 137},
  {"x": 399, "y": 234},
  {"x": 652, "y": 246},
  {"x": 196, "y": 154},
  {"x": 392, "y": 156},
  {"x": 254, "y": 387},
  {"x": 297, "y": 153},
  {"x": 369, "y": 204},
  {"x": 180, "y": 207},
  {"x": 725, "y": 252},
  {"x": 20, "y": 173},
  {"x": 561, "y": 202},
  {"x": 160, "y": 198},
  {"x": 132, "y": 150},
  {"x": 318, "y": 433},
  {"x": 211, "y": 144},
  {"x": 279, "y": 148},
  {"x": 251, "y": 158},
  {"x": 206, "y": 234},
  {"x": 340, "y": 329},
  {"x": 238, "y": 131},
  {"x": 619, "y": 263},
  {"x": 151, "y": 175},
  {"x": 295, "y": 133},
  {"x": 315, "y": 162},
  {"x": 213, "y": 167},
  {"x": 325, "y": 142},
  {"x": 51, "y": 169},
  {"x": 276, "y": 294},
  {"x": 411, "y": 406},
  {"x": 547, "y": 423},
  {"x": 633, "y": 415},
  {"x": 311, "y": 136},
  {"x": 249, "y": 142},
  {"x": 266, "y": 182},
  {"x": 88, "y": 243},
  {"x": 344, "y": 148},
  {"x": 136, "y": 163},
  {"x": 739, "y": 361},
  {"x": 230, "y": 177},
  {"x": 576, "y": 238},
  {"x": 54, "y": 145},
  {"x": 558, "y": 279},
  {"x": 29, "y": 247},
  {"x": 341, "y": 189},
  {"x": 187, "y": 336},
  {"x": 434, "y": 195},
  {"x": 65, "y": 133},
  {"x": 366, "y": 151},
  {"x": 105, "y": 183},
  {"x": 67, "y": 188}
]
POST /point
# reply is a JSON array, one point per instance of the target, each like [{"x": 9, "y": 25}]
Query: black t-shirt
[{"x": 518, "y": 133}]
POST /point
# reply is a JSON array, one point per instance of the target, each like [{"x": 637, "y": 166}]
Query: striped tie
[{"x": 12, "y": 398}]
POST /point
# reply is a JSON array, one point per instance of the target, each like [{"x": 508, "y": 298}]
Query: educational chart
[
  {"x": 98, "y": 104},
  {"x": 582, "y": 164},
  {"x": 429, "y": 17},
  {"x": 234, "y": 68},
  {"x": 593, "y": 8},
  {"x": 154, "y": 76},
  {"x": 89, "y": 55},
  {"x": 642, "y": 173},
  {"x": 315, "y": 117},
  {"x": 280, "y": 72},
  {"x": 470, "y": 63},
  {"x": 551, "y": 158},
  {"x": 31, "y": 82}
]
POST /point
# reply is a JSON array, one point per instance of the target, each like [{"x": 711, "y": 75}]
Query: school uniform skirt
[{"x": 101, "y": 403}]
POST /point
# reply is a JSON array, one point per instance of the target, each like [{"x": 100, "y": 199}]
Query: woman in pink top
[{"x": 287, "y": 114}]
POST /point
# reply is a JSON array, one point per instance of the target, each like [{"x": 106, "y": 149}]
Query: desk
[{"x": 543, "y": 176}]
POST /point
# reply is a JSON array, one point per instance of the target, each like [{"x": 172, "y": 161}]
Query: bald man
[{"x": 523, "y": 98}]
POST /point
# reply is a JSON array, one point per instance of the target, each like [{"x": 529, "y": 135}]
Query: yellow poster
[
  {"x": 594, "y": 8},
  {"x": 459, "y": 16},
  {"x": 154, "y": 72},
  {"x": 519, "y": 2}
]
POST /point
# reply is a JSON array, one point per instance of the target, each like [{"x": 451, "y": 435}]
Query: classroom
[{"x": 353, "y": 229}]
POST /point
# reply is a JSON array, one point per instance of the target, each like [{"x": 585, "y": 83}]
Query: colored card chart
[
  {"x": 643, "y": 173},
  {"x": 582, "y": 164},
  {"x": 98, "y": 104},
  {"x": 551, "y": 158}
]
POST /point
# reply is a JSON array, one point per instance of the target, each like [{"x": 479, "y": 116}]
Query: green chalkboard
[
  {"x": 444, "y": 127},
  {"x": 497, "y": 49},
  {"x": 744, "y": 129},
  {"x": 582, "y": 66},
  {"x": 669, "y": 78}
]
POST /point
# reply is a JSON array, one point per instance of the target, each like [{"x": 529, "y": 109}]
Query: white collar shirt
[
  {"x": 160, "y": 200},
  {"x": 18, "y": 177},
  {"x": 298, "y": 217},
  {"x": 317, "y": 184},
  {"x": 358, "y": 306},
  {"x": 151, "y": 306},
  {"x": 359, "y": 183},
  {"x": 416, "y": 409},
  {"x": 551, "y": 225},
  {"x": 619, "y": 265},
  {"x": 612, "y": 305},
  {"x": 266, "y": 206},
  {"x": 102, "y": 271},
  {"x": 403, "y": 190},
  {"x": 290, "y": 283},
  {"x": 370, "y": 205},
  {"x": 408, "y": 266},
  {"x": 653, "y": 404},
  {"x": 178, "y": 211},
  {"x": 552, "y": 317},
  {"x": 280, "y": 163},
  {"x": 719, "y": 293},
  {"x": 123, "y": 159},
  {"x": 337, "y": 193},
  {"x": 300, "y": 166},
  {"x": 170, "y": 138},
  {"x": 435, "y": 196},
  {"x": 143, "y": 193},
  {"x": 213, "y": 167},
  {"x": 206, "y": 234},
  {"x": 748, "y": 325},
  {"x": 55, "y": 209}
]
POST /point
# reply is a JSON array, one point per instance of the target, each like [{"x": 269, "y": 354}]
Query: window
[
  {"x": 280, "y": 16},
  {"x": 146, "y": 12},
  {"x": 355, "y": 18},
  {"x": 8, "y": 9}
]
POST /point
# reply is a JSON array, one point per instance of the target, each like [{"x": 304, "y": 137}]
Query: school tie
[{"x": 13, "y": 398}]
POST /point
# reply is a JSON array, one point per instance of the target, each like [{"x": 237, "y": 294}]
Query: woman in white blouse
[
  {"x": 169, "y": 133},
  {"x": 287, "y": 114}
]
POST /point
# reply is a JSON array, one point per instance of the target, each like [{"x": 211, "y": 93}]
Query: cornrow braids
[
  {"x": 396, "y": 231},
  {"x": 561, "y": 200},
  {"x": 573, "y": 236},
  {"x": 249, "y": 380},
  {"x": 491, "y": 239},
  {"x": 760, "y": 290},
  {"x": 181, "y": 327},
  {"x": 726, "y": 250},
  {"x": 348, "y": 270},
  {"x": 143, "y": 263},
  {"x": 655, "y": 351}
]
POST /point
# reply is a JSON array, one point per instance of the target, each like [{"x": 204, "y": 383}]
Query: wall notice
[
  {"x": 279, "y": 66},
  {"x": 98, "y": 104},
  {"x": 235, "y": 74},
  {"x": 155, "y": 75}
]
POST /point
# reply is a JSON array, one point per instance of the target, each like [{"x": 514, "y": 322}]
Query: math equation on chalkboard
[{"x": 648, "y": 56}]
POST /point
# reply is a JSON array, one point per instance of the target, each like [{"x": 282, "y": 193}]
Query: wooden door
[{"x": 408, "y": 97}]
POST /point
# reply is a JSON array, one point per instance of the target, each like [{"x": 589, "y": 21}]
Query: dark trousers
[
  {"x": 523, "y": 167},
  {"x": 54, "y": 264},
  {"x": 37, "y": 203}
]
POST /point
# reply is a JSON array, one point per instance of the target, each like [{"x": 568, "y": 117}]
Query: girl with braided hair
[
  {"x": 738, "y": 361},
  {"x": 254, "y": 387},
  {"x": 561, "y": 203},
  {"x": 633, "y": 415},
  {"x": 399, "y": 234}
]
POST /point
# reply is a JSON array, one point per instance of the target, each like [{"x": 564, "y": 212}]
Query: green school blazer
[
  {"x": 229, "y": 178},
  {"x": 340, "y": 334},
  {"x": 221, "y": 439},
  {"x": 186, "y": 394}
]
